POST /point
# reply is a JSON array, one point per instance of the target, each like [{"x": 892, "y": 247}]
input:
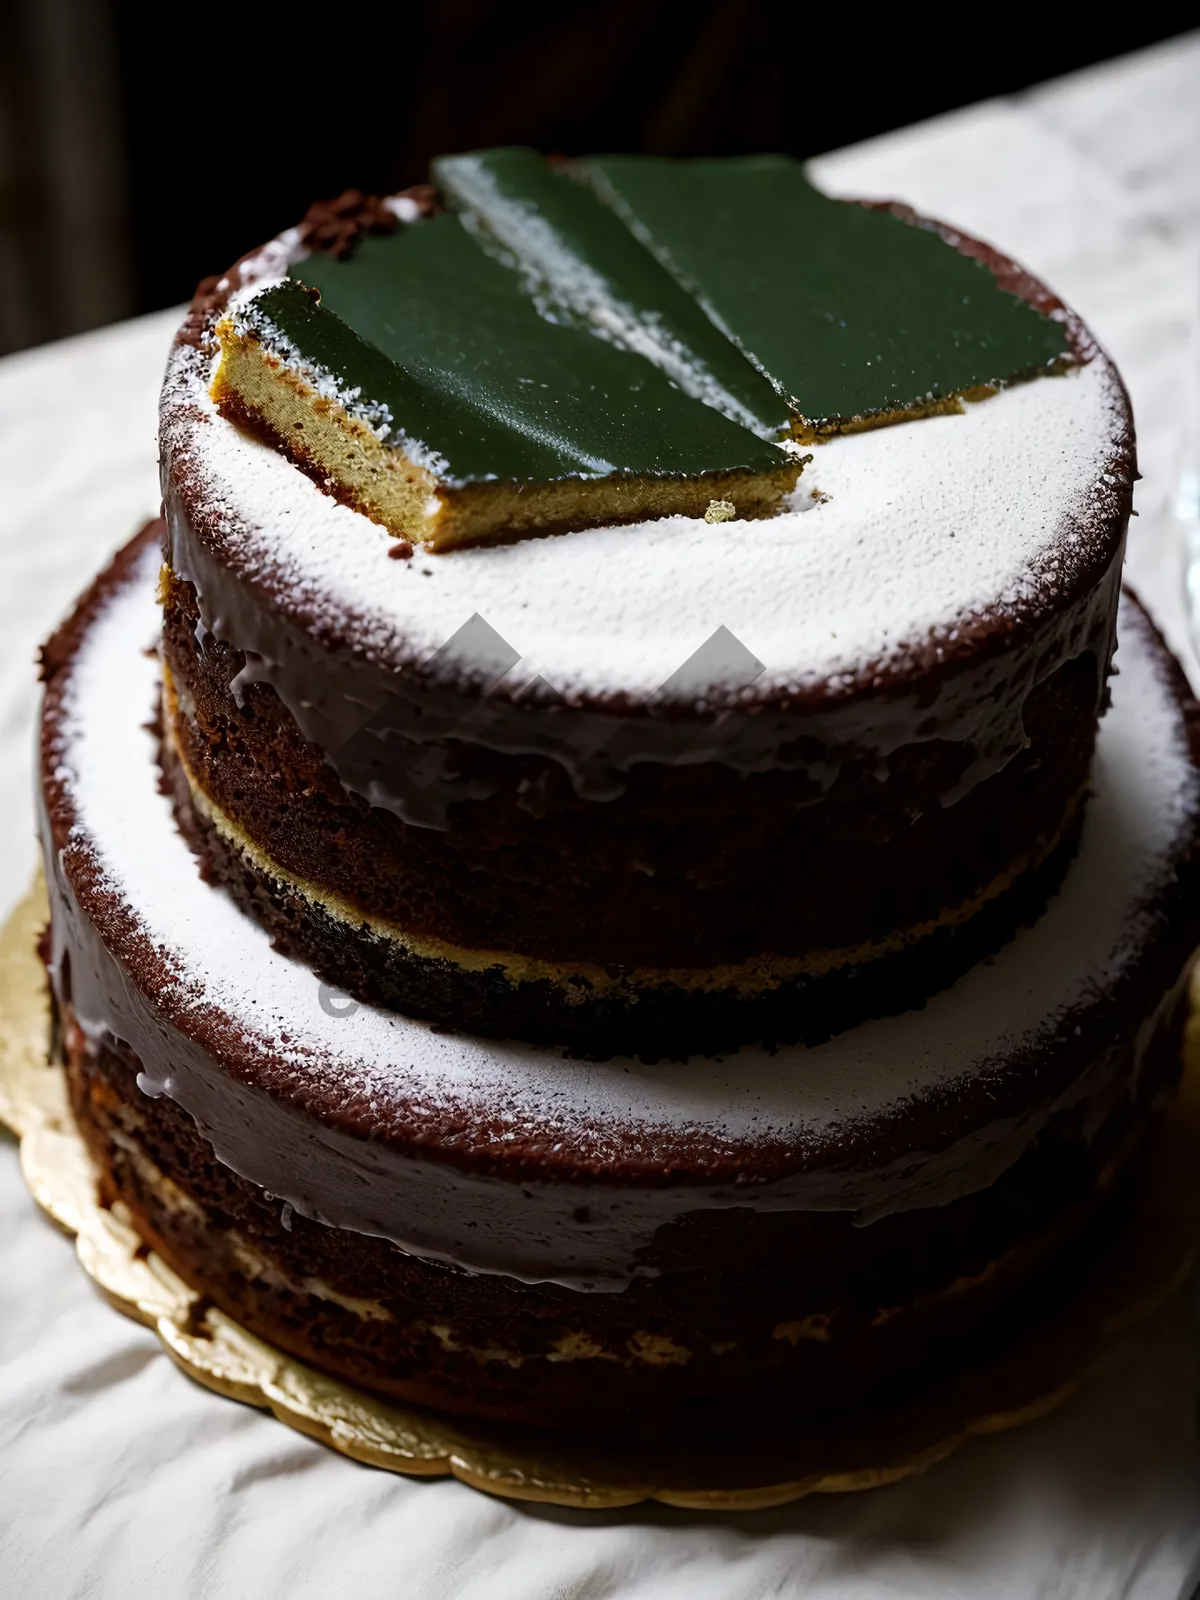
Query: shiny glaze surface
[
  {"x": 851, "y": 311},
  {"x": 447, "y": 353},
  {"x": 509, "y": 1159}
]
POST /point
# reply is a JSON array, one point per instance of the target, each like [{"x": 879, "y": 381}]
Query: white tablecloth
[{"x": 118, "y": 1477}]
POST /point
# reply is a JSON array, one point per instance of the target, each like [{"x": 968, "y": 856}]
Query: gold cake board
[{"x": 1076, "y": 1342}]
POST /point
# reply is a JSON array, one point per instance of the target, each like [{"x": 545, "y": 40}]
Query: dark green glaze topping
[
  {"x": 580, "y": 261},
  {"x": 446, "y": 343},
  {"x": 636, "y": 315},
  {"x": 849, "y": 310}
]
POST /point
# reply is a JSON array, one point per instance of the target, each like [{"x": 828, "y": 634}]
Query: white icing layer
[
  {"x": 924, "y": 526},
  {"x": 221, "y": 962}
]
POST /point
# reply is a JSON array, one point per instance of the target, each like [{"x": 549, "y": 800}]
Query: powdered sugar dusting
[
  {"x": 1145, "y": 803},
  {"x": 924, "y": 526}
]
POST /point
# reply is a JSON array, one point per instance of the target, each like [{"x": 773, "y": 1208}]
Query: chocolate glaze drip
[
  {"x": 383, "y": 724},
  {"x": 373, "y": 722},
  {"x": 543, "y": 1209},
  {"x": 582, "y": 1234},
  {"x": 886, "y": 1305}
]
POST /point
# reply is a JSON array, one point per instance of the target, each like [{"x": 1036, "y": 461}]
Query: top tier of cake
[
  {"x": 653, "y": 784},
  {"x": 603, "y": 340}
]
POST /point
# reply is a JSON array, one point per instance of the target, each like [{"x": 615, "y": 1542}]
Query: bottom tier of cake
[{"x": 609, "y": 1247}]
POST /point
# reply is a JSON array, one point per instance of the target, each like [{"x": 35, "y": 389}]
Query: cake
[
  {"x": 698, "y": 965},
  {"x": 631, "y": 719}
]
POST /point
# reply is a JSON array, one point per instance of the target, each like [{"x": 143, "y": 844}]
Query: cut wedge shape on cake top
[{"x": 610, "y": 341}]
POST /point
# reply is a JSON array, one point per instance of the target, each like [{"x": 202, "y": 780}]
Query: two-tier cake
[{"x": 622, "y": 899}]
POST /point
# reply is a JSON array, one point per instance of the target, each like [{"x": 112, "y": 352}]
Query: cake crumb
[
  {"x": 720, "y": 511},
  {"x": 402, "y": 551}
]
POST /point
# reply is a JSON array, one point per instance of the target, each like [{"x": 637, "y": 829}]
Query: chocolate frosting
[
  {"x": 371, "y": 721},
  {"x": 367, "y": 706},
  {"x": 372, "y": 710},
  {"x": 486, "y": 1184}
]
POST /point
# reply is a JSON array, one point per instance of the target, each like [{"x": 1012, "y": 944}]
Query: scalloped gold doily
[{"x": 1076, "y": 1342}]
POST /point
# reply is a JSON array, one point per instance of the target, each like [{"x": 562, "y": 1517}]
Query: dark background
[{"x": 142, "y": 146}]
